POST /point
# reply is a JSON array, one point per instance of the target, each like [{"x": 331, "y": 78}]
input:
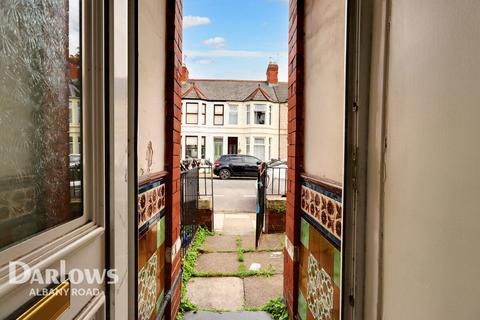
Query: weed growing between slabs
[
  {"x": 275, "y": 307},
  {"x": 189, "y": 269}
]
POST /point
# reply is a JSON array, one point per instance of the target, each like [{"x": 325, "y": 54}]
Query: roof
[{"x": 234, "y": 90}]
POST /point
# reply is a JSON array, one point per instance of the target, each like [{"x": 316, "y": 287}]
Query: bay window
[
  {"x": 192, "y": 113},
  {"x": 259, "y": 114},
  {"x": 191, "y": 147}
]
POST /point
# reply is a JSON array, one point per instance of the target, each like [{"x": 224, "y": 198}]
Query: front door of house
[
  {"x": 232, "y": 145},
  {"x": 51, "y": 199}
]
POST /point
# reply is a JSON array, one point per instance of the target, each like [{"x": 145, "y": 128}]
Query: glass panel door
[
  {"x": 259, "y": 148},
  {"x": 218, "y": 147},
  {"x": 40, "y": 155}
]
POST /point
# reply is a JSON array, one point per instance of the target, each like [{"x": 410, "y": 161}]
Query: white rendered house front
[{"x": 213, "y": 128}]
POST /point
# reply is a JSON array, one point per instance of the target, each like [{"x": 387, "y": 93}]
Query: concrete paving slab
[
  {"x": 218, "y": 219},
  {"x": 273, "y": 241},
  {"x": 260, "y": 290},
  {"x": 265, "y": 259},
  {"x": 217, "y": 262},
  {"x": 248, "y": 241},
  {"x": 234, "y": 225},
  {"x": 240, "y": 315},
  {"x": 220, "y": 243},
  {"x": 222, "y": 293}
]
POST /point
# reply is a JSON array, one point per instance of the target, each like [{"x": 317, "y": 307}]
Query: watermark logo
[{"x": 22, "y": 273}]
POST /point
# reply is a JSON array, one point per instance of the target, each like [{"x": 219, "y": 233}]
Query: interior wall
[
  {"x": 432, "y": 179},
  {"x": 324, "y": 88},
  {"x": 151, "y": 86}
]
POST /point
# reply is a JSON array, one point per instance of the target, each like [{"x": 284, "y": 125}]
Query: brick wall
[
  {"x": 295, "y": 148},
  {"x": 173, "y": 73}
]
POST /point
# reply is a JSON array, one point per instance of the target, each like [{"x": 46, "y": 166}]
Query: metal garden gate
[{"x": 261, "y": 194}]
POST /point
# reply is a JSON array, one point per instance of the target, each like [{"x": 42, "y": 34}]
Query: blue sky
[{"x": 235, "y": 39}]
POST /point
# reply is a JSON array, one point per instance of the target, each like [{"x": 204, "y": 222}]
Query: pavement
[
  {"x": 240, "y": 315},
  {"x": 232, "y": 195}
]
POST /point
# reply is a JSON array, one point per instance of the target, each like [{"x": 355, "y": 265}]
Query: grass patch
[
  {"x": 276, "y": 307},
  {"x": 240, "y": 255},
  {"x": 241, "y": 273},
  {"x": 189, "y": 269}
]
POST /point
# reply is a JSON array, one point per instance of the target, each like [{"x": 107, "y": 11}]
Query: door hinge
[{"x": 355, "y": 107}]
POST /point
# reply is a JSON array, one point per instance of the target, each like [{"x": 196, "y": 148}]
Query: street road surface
[{"x": 233, "y": 195}]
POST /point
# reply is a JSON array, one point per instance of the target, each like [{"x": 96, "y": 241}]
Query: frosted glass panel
[{"x": 40, "y": 117}]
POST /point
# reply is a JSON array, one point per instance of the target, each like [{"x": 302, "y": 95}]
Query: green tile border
[
  {"x": 160, "y": 231},
  {"x": 304, "y": 232},
  {"x": 337, "y": 267},
  {"x": 302, "y": 306}
]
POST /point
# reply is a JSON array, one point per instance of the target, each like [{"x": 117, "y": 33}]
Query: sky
[
  {"x": 74, "y": 26},
  {"x": 235, "y": 39}
]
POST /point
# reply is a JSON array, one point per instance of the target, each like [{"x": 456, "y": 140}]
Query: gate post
[
  {"x": 173, "y": 109},
  {"x": 295, "y": 152}
]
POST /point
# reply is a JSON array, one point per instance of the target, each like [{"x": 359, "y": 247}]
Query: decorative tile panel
[
  {"x": 320, "y": 257},
  {"x": 325, "y": 211},
  {"x": 151, "y": 249},
  {"x": 150, "y": 203}
]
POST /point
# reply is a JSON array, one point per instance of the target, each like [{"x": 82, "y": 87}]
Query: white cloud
[
  {"x": 233, "y": 54},
  {"x": 203, "y": 61},
  {"x": 191, "y": 21},
  {"x": 217, "y": 42}
]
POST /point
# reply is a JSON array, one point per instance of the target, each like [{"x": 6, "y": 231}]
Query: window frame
[
  {"x": 204, "y": 113},
  {"x": 191, "y": 113},
  {"x": 270, "y": 115},
  {"x": 187, "y": 148},
  {"x": 231, "y": 111},
  {"x": 264, "y": 106},
  {"x": 248, "y": 120},
  {"x": 215, "y": 114},
  {"x": 203, "y": 147},
  {"x": 92, "y": 154}
]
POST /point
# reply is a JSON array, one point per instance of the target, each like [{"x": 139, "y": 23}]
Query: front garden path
[{"x": 232, "y": 276}]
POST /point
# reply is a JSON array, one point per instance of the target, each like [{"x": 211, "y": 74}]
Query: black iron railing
[
  {"x": 189, "y": 192},
  {"x": 75, "y": 183},
  {"x": 261, "y": 188},
  {"x": 206, "y": 181},
  {"x": 276, "y": 183}
]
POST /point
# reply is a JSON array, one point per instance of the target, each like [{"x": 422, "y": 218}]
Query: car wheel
[{"x": 224, "y": 174}]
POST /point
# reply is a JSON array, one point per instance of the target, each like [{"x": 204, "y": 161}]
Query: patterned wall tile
[
  {"x": 147, "y": 288},
  {"x": 323, "y": 209},
  {"x": 150, "y": 202},
  {"x": 319, "y": 291}
]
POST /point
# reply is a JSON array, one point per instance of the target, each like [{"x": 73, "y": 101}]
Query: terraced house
[
  {"x": 234, "y": 117},
  {"x": 382, "y": 220}
]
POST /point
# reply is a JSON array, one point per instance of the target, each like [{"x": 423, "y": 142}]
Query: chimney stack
[
  {"x": 272, "y": 74},
  {"x": 184, "y": 73},
  {"x": 74, "y": 67}
]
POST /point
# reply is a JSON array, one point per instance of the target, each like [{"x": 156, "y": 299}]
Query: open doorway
[{"x": 235, "y": 99}]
